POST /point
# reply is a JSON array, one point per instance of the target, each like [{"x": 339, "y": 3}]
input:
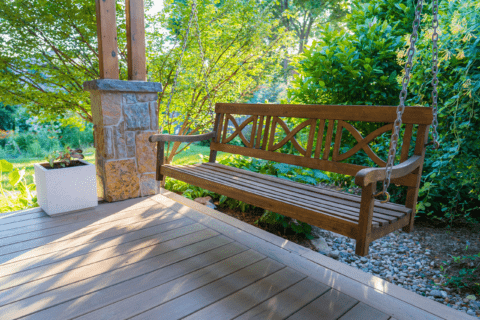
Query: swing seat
[{"x": 263, "y": 133}]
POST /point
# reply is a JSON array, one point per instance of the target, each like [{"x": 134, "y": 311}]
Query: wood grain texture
[
  {"x": 330, "y": 305},
  {"x": 167, "y": 285},
  {"x": 49, "y": 258},
  {"x": 107, "y": 39},
  {"x": 78, "y": 258},
  {"x": 367, "y": 176},
  {"x": 201, "y": 240},
  {"x": 215, "y": 291},
  {"x": 135, "y": 21},
  {"x": 64, "y": 231},
  {"x": 247, "y": 298},
  {"x": 362, "y": 286},
  {"x": 407, "y": 138},
  {"x": 259, "y": 186},
  {"x": 134, "y": 270},
  {"x": 143, "y": 292},
  {"x": 287, "y": 302},
  {"x": 414, "y": 115},
  {"x": 181, "y": 138},
  {"x": 364, "y": 312},
  {"x": 344, "y": 227},
  {"x": 29, "y": 299},
  {"x": 29, "y": 250}
]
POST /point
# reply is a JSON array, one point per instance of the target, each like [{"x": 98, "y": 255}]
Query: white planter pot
[{"x": 64, "y": 190}]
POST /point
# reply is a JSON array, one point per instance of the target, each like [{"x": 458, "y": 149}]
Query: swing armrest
[
  {"x": 181, "y": 138},
  {"x": 370, "y": 175}
]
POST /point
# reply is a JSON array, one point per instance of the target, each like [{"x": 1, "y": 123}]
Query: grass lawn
[{"x": 190, "y": 156}]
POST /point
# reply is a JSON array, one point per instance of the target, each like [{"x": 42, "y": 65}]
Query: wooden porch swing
[{"x": 359, "y": 217}]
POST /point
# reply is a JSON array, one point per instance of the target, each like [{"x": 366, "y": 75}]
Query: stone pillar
[{"x": 125, "y": 114}]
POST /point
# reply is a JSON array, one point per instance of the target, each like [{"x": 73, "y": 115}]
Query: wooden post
[
  {"x": 136, "y": 59},
  {"x": 107, "y": 39},
  {"x": 366, "y": 216},
  {"x": 412, "y": 192}
]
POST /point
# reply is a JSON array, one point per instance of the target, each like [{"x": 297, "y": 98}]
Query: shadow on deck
[{"x": 166, "y": 257}]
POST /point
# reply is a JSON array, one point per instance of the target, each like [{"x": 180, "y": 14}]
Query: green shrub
[
  {"x": 452, "y": 174},
  {"x": 362, "y": 65}
]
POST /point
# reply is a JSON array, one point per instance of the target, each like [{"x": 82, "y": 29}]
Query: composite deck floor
[{"x": 154, "y": 258}]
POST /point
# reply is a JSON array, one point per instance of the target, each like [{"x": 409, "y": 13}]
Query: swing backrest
[{"x": 264, "y": 131}]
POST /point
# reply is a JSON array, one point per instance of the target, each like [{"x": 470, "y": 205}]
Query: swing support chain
[{"x": 401, "y": 107}]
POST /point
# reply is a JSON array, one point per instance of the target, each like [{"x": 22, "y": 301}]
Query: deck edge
[{"x": 377, "y": 284}]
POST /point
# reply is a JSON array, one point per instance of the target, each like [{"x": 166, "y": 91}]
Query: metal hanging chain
[
  {"x": 202, "y": 55},
  {"x": 178, "y": 66},
  {"x": 436, "y": 144},
  {"x": 401, "y": 107}
]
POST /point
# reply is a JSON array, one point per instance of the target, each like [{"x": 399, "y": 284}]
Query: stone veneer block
[
  {"x": 137, "y": 116},
  {"x": 111, "y": 108},
  {"x": 154, "y": 115},
  {"x": 148, "y": 184},
  {"x": 120, "y": 145},
  {"x": 129, "y": 98},
  {"x": 109, "y": 148},
  {"x": 146, "y": 97},
  {"x": 121, "y": 180},
  {"x": 146, "y": 152},
  {"x": 130, "y": 137}
]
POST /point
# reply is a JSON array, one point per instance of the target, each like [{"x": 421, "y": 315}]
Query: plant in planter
[{"x": 66, "y": 183}]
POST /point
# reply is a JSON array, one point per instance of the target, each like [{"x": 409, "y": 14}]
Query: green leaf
[
  {"x": 15, "y": 176},
  {"x": 222, "y": 199},
  {"x": 5, "y": 166}
]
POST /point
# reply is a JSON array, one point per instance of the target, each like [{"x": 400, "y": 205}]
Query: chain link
[
  {"x": 401, "y": 107},
  {"x": 177, "y": 68},
  {"x": 434, "y": 73}
]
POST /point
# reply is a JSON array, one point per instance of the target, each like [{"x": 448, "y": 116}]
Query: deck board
[
  {"x": 287, "y": 302},
  {"x": 153, "y": 258},
  {"x": 331, "y": 305},
  {"x": 364, "y": 312}
]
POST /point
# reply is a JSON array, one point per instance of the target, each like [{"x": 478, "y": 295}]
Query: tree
[
  {"x": 301, "y": 16},
  {"x": 239, "y": 51},
  {"x": 49, "y": 48}
]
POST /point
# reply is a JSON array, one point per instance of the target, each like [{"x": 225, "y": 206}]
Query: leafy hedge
[{"x": 363, "y": 65}]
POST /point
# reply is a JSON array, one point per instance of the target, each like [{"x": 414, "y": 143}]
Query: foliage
[
  {"x": 240, "y": 49},
  {"x": 463, "y": 272},
  {"x": 287, "y": 223},
  {"x": 452, "y": 174},
  {"x": 64, "y": 156},
  {"x": 363, "y": 65},
  {"x": 302, "y": 16},
  {"x": 20, "y": 196},
  {"x": 7, "y": 117},
  {"x": 339, "y": 67},
  {"x": 49, "y": 48},
  {"x": 44, "y": 138}
]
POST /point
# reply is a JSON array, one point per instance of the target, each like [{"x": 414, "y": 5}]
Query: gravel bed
[{"x": 400, "y": 259}]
